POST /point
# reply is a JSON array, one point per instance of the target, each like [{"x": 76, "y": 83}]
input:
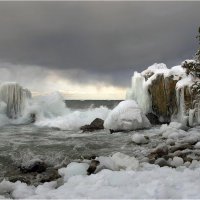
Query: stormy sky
[{"x": 91, "y": 49}]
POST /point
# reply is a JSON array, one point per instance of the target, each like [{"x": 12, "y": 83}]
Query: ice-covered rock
[
  {"x": 73, "y": 169},
  {"x": 169, "y": 93},
  {"x": 140, "y": 139},
  {"x": 125, "y": 162},
  {"x": 118, "y": 161},
  {"x": 197, "y": 145},
  {"x": 161, "y": 162},
  {"x": 126, "y": 116},
  {"x": 177, "y": 161},
  {"x": 15, "y": 97}
]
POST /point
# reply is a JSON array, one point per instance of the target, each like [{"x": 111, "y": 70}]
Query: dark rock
[
  {"x": 180, "y": 147},
  {"x": 97, "y": 124},
  {"x": 34, "y": 165},
  {"x": 163, "y": 95},
  {"x": 22, "y": 179},
  {"x": 49, "y": 175},
  {"x": 161, "y": 162},
  {"x": 92, "y": 167},
  {"x": 153, "y": 119},
  {"x": 35, "y": 178},
  {"x": 161, "y": 150},
  {"x": 152, "y": 157},
  {"x": 88, "y": 157},
  {"x": 187, "y": 159},
  {"x": 33, "y": 117}
]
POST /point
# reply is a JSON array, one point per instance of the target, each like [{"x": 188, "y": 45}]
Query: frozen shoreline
[{"x": 147, "y": 181}]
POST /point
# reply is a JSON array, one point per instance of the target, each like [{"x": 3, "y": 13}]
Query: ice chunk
[
  {"x": 126, "y": 116},
  {"x": 73, "y": 169},
  {"x": 125, "y": 162},
  {"x": 139, "y": 139}
]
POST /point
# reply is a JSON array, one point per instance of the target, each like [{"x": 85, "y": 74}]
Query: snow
[
  {"x": 126, "y": 116},
  {"x": 149, "y": 182},
  {"x": 187, "y": 81},
  {"x": 139, "y": 139}
]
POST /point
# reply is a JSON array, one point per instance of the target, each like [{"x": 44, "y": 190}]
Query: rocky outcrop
[
  {"x": 169, "y": 93},
  {"x": 163, "y": 96},
  {"x": 97, "y": 124}
]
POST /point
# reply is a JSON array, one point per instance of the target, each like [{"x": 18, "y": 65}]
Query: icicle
[
  {"x": 139, "y": 92},
  {"x": 191, "y": 117},
  {"x": 182, "y": 118}
]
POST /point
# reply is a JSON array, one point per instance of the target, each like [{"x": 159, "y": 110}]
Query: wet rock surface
[
  {"x": 154, "y": 120},
  {"x": 35, "y": 165},
  {"x": 97, "y": 124},
  {"x": 34, "y": 178}
]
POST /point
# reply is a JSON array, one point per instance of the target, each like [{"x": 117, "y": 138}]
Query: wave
[{"x": 51, "y": 111}]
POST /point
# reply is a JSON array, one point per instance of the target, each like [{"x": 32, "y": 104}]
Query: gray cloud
[{"x": 97, "y": 41}]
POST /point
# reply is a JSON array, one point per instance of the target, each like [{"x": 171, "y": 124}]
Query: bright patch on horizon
[{"x": 41, "y": 81}]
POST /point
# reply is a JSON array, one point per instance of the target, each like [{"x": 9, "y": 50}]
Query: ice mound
[
  {"x": 73, "y": 169},
  {"x": 139, "y": 139},
  {"x": 118, "y": 161},
  {"x": 15, "y": 97},
  {"x": 126, "y": 116}
]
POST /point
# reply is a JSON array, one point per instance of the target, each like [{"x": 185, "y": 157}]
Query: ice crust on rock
[
  {"x": 15, "y": 98},
  {"x": 139, "y": 92},
  {"x": 142, "y": 81},
  {"x": 177, "y": 161},
  {"x": 126, "y": 116}
]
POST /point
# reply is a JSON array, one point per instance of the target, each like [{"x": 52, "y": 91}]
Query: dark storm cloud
[{"x": 98, "y": 41}]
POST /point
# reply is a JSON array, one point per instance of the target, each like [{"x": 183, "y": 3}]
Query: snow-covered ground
[{"x": 150, "y": 181}]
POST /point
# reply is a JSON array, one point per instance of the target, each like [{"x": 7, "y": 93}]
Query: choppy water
[{"x": 20, "y": 143}]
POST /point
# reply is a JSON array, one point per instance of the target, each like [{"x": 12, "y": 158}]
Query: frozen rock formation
[
  {"x": 14, "y": 98},
  {"x": 170, "y": 94},
  {"x": 125, "y": 117}
]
